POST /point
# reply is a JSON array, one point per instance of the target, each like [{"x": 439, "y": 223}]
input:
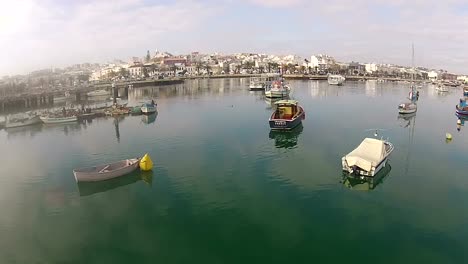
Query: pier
[{"x": 46, "y": 98}]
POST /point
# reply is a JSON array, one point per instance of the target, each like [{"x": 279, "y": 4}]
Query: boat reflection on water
[
  {"x": 30, "y": 131},
  {"x": 286, "y": 139},
  {"x": 406, "y": 118},
  {"x": 365, "y": 183},
  {"x": 460, "y": 121},
  {"x": 89, "y": 188},
  {"x": 149, "y": 119}
]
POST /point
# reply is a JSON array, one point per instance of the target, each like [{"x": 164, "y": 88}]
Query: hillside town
[{"x": 162, "y": 65}]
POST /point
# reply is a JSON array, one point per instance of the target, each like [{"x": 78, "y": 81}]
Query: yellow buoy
[
  {"x": 146, "y": 164},
  {"x": 448, "y": 136}
]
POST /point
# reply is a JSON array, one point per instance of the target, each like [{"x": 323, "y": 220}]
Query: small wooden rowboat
[{"x": 106, "y": 171}]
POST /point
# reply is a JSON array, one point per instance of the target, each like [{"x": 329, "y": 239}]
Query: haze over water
[{"x": 226, "y": 190}]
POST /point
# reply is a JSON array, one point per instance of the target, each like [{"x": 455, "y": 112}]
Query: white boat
[
  {"x": 334, "y": 79},
  {"x": 58, "y": 119},
  {"x": 106, "y": 171},
  {"x": 148, "y": 108},
  {"x": 259, "y": 83},
  {"x": 441, "y": 89},
  {"x": 20, "y": 120},
  {"x": 277, "y": 90},
  {"x": 407, "y": 108},
  {"x": 98, "y": 93},
  {"x": 368, "y": 158}
]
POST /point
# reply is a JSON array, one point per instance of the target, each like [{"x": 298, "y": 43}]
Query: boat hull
[
  {"x": 461, "y": 112},
  {"x": 107, "y": 171},
  {"x": 407, "y": 111},
  {"x": 58, "y": 120},
  {"x": 287, "y": 124},
  {"x": 27, "y": 122},
  {"x": 256, "y": 87},
  {"x": 277, "y": 93},
  {"x": 148, "y": 110}
]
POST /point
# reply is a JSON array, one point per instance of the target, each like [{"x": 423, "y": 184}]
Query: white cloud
[{"x": 92, "y": 31}]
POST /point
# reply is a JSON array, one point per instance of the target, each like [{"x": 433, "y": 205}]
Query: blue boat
[
  {"x": 288, "y": 115},
  {"x": 462, "y": 107}
]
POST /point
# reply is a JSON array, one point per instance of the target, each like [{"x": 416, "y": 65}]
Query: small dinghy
[
  {"x": 407, "y": 108},
  {"x": 368, "y": 158},
  {"x": 106, "y": 171}
]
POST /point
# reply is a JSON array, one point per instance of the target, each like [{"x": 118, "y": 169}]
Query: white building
[
  {"x": 321, "y": 61},
  {"x": 136, "y": 70},
  {"x": 462, "y": 78},
  {"x": 433, "y": 75},
  {"x": 371, "y": 67}
]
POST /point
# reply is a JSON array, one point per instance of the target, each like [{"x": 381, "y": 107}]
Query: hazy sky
[{"x": 44, "y": 33}]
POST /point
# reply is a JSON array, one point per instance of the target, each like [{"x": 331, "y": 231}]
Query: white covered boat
[
  {"x": 368, "y": 158},
  {"x": 48, "y": 119},
  {"x": 20, "y": 120},
  {"x": 98, "y": 93},
  {"x": 407, "y": 108},
  {"x": 106, "y": 171},
  {"x": 334, "y": 79},
  {"x": 277, "y": 90}
]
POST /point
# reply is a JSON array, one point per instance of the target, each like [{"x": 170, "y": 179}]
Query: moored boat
[
  {"x": 288, "y": 115},
  {"x": 335, "y": 79},
  {"x": 259, "y": 83},
  {"x": 53, "y": 119},
  {"x": 98, "y": 93},
  {"x": 106, "y": 171},
  {"x": 407, "y": 108},
  {"x": 465, "y": 91},
  {"x": 148, "y": 108},
  {"x": 277, "y": 90},
  {"x": 368, "y": 158},
  {"x": 462, "y": 107},
  {"x": 20, "y": 120},
  {"x": 441, "y": 89}
]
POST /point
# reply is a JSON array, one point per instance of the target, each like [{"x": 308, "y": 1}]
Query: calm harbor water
[{"x": 227, "y": 190}]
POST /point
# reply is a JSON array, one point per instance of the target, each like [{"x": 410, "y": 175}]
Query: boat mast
[{"x": 412, "y": 64}]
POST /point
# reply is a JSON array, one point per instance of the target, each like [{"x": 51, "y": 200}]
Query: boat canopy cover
[
  {"x": 286, "y": 102},
  {"x": 369, "y": 153}
]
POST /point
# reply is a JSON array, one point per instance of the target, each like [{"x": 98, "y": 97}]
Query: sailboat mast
[{"x": 412, "y": 62}]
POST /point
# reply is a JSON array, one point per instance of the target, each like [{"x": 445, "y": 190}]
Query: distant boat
[
  {"x": 465, "y": 91},
  {"x": 441, "y": 89},
  {"x": 407, "y": 108},
  {"x": 51, "y": 119},
  {"x": 259, "y": 83},
  {"x": 148, "y": 108},
  {"x": 98, "y": 93},
  {"x": 334, "y": 79},
  {"x": 462, "y": 107},
  {"x": 277, "y": 90},
  {"x": 106, "y": 171},
  {"x": 20, "y": 120},
  {"x": 368, "y": 158},
  {"x": 288, "y": 115}
]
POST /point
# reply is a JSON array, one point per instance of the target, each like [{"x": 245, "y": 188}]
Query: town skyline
[{"x": 54, "y": 33}]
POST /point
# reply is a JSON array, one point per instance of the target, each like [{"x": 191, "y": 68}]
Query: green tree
[{"x": 124, "y": 72}]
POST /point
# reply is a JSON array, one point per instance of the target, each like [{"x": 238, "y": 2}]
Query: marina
[{"x": 224, "y": 171}]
